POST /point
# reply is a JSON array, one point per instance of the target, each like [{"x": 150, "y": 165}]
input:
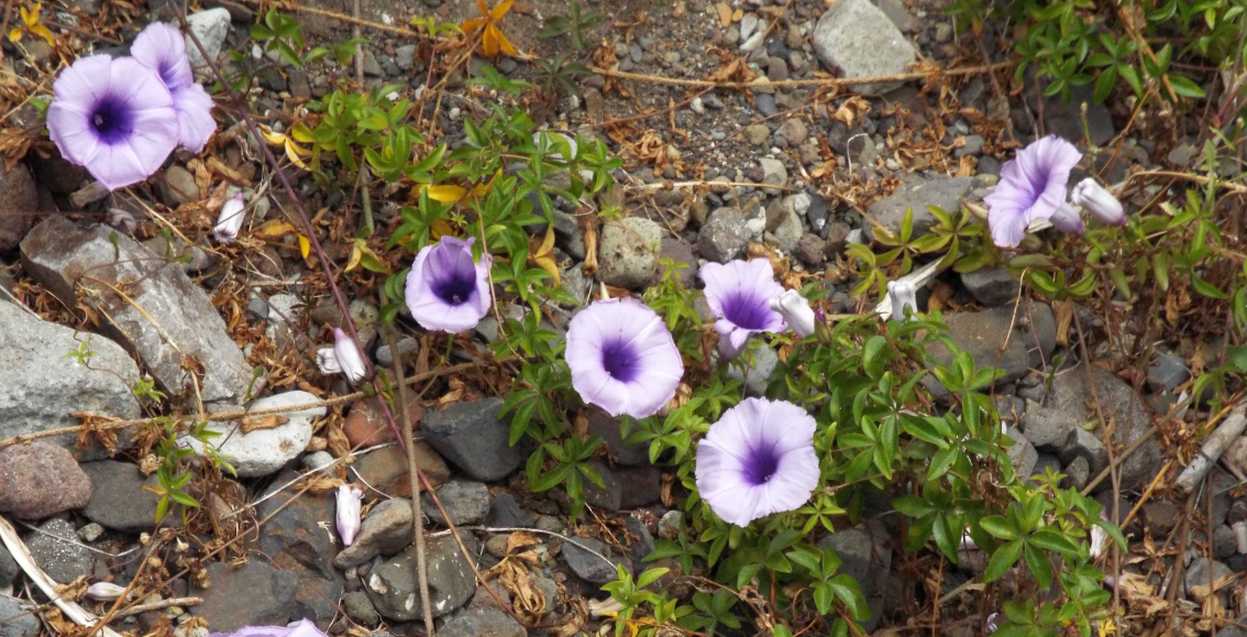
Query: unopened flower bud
[
  {"x": 796, "y": 312},
  {"x": 1066, "y": 219},
  {"x": 350, "y": 361},
  {"x": 105, "y": 591},
  {"x": 902, "y": 296},
  {"x": 1098, "y": 201},
  {"x": 229, "y": 222},
  {"x": 348, "y": 515}
]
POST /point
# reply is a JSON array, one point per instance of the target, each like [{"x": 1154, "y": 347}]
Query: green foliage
[
  {"x": 281, "y": 36},
  {"x": 575, "y": 25},
  {"x": 1074, "y": 43},
  {"x": 963, "y": 242}
]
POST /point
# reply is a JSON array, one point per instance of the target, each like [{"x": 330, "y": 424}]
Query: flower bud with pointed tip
[
  {"x": 350, "y": 361},
  {"x": 796, "y": 311},
  {"x": 1066, "y": 219},
  {"x": 1098, "y": 201},
  {"x": 348, "y": 514},
  {"x": 229, "y": 222},
  {"x": 105, "y": 591},
  {"x": 902, "y": 295}
]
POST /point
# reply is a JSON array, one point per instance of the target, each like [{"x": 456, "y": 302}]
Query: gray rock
[
  {"x": 359, "y": 608},
  {"x": 641, "y": 486},
  {"x": 48, "y": 371},
  {"x": 1064, "y": 118},
  {"x": 679, "y": 252},
  {"x": 793, "y": 131},
  {"x": 899, "y": 14},
  {"x": 473, "y": 438},
  {"x": 1046, "y": 461},
  {"x": 857, "y": 38},
  {"x": 177, "y": 186},
  {"x": 56, "y": 550},
  {"x": 482, "y": 621},
  {"x": 982, "y": 333},
  {"x": 18, "y": 203},
  {"x": 607, "y": 427},
  {"x": 386, "y": 530},
  {"x": 210, "y": 27},
  {"x": 466, "y": 502},
  {"x": 758, "y": 134},
  {"x": 610, "y": 495},
  {"x": 9, "y": 570},
  {"x": 588, "y": 566},
  {"x": 405, "y": 56},
  {"x": 811, "y": 250},
  {"x": 1224, "y": 544},
  {"x": 16, "y": 620},
  {"x": 773, "y": 171},
  {"x": 165, "y": 316},
  {"x": 298, "y": 539},
  {"x": 787, "y": 233},
  {"x": 1205, "y": 573},
  {"x": 1069, "y": 404},
  {"x": 506, "y": 512},
  {"x": 1086, "y": 445},
  {"x": 761, "y": 360},
  {"x": 1022, "y": 454},
  {"x": 917, "y": 193},
  {"x": 1182, "y": 154},
  {"x": 40, "y": 479},
  {"x": 264, "y": 451},
  {"x": 628, "y": 253},
  {"x": 670, "y": 523},
  {"x": 1166, "y": 372},
  {"x": 391, "y": 584},
  {"x": 991, "y": 287},
  {"x": 868, "y": 559},
  {"x": 317, "y": 460},
  {"x": 91, "y": 532},
  {"x": 1077, "y": 473},
  {"x": 119, "y": 500},
  {"x": 407, "y": 348},
  {"x": 725, "y": 235},
  {"x": 253, "y": 594}
]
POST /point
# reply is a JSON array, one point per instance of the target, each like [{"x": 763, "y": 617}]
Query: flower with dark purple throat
[
  {"x": 1032, "y": 187},
  {"x": 115, "y": 117},
  {"x": 446, "y": 290},
  {"x": 161, "y": 48},
  {"x": 758, "y": 459},
  {"x": 622, "y": 358},
  {"x": 739, "y": 294}
]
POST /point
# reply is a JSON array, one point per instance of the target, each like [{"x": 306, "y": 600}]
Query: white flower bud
[
  {"x": 1066, "y": 219},
  {"x": 105, "y": 591},
  {"x": 796, "y": 311},
  {"x": 349, "y": 359},
  {"x": 902, "y": 296},
  {"x": 327, "y": 361},
  {"x": 348, "y": 516},
  {"x": 1098, "y": 201},
  {"x": 229, "y": 222}
]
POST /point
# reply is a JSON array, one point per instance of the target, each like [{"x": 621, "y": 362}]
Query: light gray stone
[
  {"x": 39, "y": 479},
  {"x": 588, "y": 564},
  {"x": 917, "y": 193},
  {"x": 16, "y": 620},
  {"x": 867, "y": 558},
  {"x": 1023, "y": 455},
  {"x": 385, "y": 531},
  {"x": 761, "y": 360},
  {"x": 982, "y": 333},
  {"x": 725, "y": 234},
  {"x": 628, "y": 253},
  {"x": 857, "y": 38},
  {"x": 466, "y": 502},
  {"x": 264, "y": 451},
  {"x": 210, "y": 27},
  {"x": 42, "y": 383},
  {"x": 164, "y": 317},
  {"x": 56, "y": 550},
  {"x": 1166, "y": 372}
]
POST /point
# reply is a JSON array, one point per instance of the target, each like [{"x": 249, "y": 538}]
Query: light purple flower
[
  {"x": 115, "y": 117},
  {"x": 229, "y": 221},
  {"x": 348, "y": 508},
  {"x": 445, "y": 290},
  {"x": 301, "y": 628},
  {"x": 739, "y": 294},
  {"x": 796, "y": 311},
  {"x": 1032, "y": 186},
  {"x": 1097, "y": 200},
  {"x": 1066, "y": 218},
  {"x": 622, "y": 358},
  {"x": 758, "y": 459},
  {"x": 161, "y": 48}
]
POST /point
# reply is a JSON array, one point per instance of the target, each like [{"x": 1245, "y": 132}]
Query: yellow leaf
[
  {"x": 15, "y": 35},
  {"x": 31, "y": 17},
  {"x": 489, "y": 41},
  {"x": 44, "y": 33},
  {"x": 274, "y": 228},
  {"x": 544, "y": 256},
  {"x": 273, "y": 138},
  {"x": 501, "y": 9},
  {"x": 305, "y": 247},
  {"x": 440, "y": 228},
  {"x": 301, "y": 133},
  {"x": 446, "y": 193},
  {"x": 293, "y": 152},
  {"x": 356, "y": 255},
  {"x": 505, "y": 44}
]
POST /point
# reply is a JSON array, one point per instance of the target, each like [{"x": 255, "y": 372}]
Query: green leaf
[
  {"x": 1052, "y": 540},
  {"x": 650, "y": 576},
  {"x": 873, "y": 356},
  {"x": 999, "y": 527},
  {"x": 1185, "y": 86},
  {"x": 850, "y": 594},
  {"x": 1038, "y": 564},
  {"x": 1002, "y": 560}
]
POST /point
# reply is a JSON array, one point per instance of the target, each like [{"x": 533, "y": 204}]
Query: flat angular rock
[
  {"x": 982, "y": 333},
  {"x": 917, "y": 193},
  {"x": 251, "y": 595},
  {"x": 588, "y": 565},
  {"x": 1069, "y": 404},
  {"x": 859, "y": 39},
  {"x": 264, "y": 451},
  {"x": 391, "y": 584},
  {"x": 40, "y": 479},
  {"x": 17, "y": 620},
  {"x": 119, "y": 500},
  {"x": 483, "y": 621},
  {"x": 41, "y": 384},
  {"x": 466, "y": 502},
  {"x": 64, "y": 560},
  {"x": 472, "y": 436},
  {"x": 163, "y": 316},
  {"x": 385, "y": 531},
  {"x": 300, "y": 538}
]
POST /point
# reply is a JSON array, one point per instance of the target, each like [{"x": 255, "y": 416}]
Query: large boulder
[
  {"x": 147, "y": 303},
  {"x": 48, "y": 372}
]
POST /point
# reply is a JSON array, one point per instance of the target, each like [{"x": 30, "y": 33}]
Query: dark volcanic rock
[{"x": 472, "y": 436}]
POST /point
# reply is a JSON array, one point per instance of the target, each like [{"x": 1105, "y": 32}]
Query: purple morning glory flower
[
  {"x": 739, "y": 294},
  {"x": 161, "y": 48},
  {"x": 623, "y": 358},
  {"x": 1032, "y": 186},
  {"x": 758, "y": 459},
  {"x": 115, "y": 117},
  {"x": 445, "y": 290}
]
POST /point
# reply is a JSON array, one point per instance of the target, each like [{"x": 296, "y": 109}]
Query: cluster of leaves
[
  {"x": 963, "y": 243},
  {"x": 1071, "y": 43}
]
